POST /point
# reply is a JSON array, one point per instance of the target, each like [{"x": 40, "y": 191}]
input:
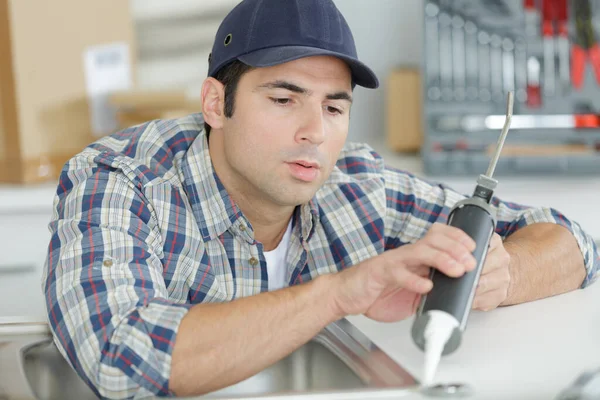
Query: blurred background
[
  {"x": 101, "y": 67},
  {"x": 445, "y": 69},
  {"x": 175, "y": 40},
  {"x": 74, "y": 71}
]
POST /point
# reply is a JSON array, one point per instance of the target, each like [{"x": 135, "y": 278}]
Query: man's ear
[{"x": 213, "y": 102}]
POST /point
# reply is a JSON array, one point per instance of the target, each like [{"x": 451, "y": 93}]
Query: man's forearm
[
  {"x": 545, "y": 261},
  {"x": 220, "y": 344}
]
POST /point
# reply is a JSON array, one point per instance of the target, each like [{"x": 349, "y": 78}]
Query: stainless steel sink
[
  {"x": 311, "y": 368},
  {"x": 49, "y": 376},
  {"x": 339, "y": 361}
]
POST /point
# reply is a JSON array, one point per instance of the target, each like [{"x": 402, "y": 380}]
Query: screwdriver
[{"x": 441, "y": 317}]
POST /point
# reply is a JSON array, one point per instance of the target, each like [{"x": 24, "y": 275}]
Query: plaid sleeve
[
  {"x": 413, "y": 204},
  {"x": 107, "y": 303}
]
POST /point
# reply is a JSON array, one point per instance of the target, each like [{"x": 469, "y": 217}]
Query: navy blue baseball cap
[{"x": 264, "y": 33}]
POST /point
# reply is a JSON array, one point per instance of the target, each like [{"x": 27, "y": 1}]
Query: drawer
[
  {"x": 24, "y": 239},
  {"x": 20, "y": 292}
]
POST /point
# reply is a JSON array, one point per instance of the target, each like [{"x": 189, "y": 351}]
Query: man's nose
[{"x": 313, "y": 127}]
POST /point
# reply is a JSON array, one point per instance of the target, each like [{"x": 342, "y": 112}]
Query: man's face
[{"x": 288, "y": 127}]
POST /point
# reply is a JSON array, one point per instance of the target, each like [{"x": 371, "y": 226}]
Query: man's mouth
[
  {"x": 306, "y": 171},
  {"x": 306, "y": 164}
]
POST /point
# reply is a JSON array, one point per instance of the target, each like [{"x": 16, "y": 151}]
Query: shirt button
[
  {"x": 242, "y": 227},
  {"x": 253, "y": 261},
  {"x": 107, "y": 263}
]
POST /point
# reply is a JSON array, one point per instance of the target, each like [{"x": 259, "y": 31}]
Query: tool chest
[{"x": 546, "y": 51}]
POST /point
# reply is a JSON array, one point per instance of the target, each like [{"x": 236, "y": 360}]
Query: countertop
[{"x": 528, "y": 351}]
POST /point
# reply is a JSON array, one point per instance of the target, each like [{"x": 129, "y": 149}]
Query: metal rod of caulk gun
[{"x": 502, "y": 138}]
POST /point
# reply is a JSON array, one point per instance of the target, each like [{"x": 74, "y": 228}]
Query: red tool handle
[
  {"x": 578, "y": 58},
  {"x": 548, "y": 17},
  {"x": 562, "y": 17},
  {"x": 587, "y": 121},
  {"x": 594, "y": 54},
  {"x": 534, "y": 97}
]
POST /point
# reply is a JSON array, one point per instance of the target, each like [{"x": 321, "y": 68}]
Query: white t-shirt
[{"x": 276, "y": 268}]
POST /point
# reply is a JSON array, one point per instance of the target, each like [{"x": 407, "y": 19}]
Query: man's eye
[
  {"x": 334, "y": 110},
  {"x": 282, "y": 101}
]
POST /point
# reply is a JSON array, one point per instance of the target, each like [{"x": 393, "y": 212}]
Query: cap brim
[{"x": 361, "y": 74}]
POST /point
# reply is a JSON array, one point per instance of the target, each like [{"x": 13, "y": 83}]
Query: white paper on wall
[{"x": 107, "y": 70}]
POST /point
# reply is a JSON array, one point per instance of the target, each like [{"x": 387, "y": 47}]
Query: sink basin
[
  {"x": 50, "y": 377},
  {"x": 311, "y": 368},
  {"x": 340, "y": 359}
]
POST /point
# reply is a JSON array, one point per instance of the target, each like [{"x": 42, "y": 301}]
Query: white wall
[
  {"x": 175, "y": 39},
  {"x": 387, "y": 34}
]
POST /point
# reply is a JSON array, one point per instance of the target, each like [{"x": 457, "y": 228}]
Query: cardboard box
[
  {"x": 59, "y": 62},
  {"x": 404, "y": 110},
  {"x": 139, "y": 106}
]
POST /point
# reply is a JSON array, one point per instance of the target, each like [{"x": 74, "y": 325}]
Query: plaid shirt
[{"x": 143, "y": 229}]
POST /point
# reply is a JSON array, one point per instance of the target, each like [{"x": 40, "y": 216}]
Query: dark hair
[{"x": 229, "y": 76}]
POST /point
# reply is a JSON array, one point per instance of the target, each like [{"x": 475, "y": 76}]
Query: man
[{"x": 187, "y": 255}]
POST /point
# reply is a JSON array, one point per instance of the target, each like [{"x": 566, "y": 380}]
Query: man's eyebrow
[
  {"x": 285, "y": 85},
  {"x": 339, "y": 96},
  {"x": 342, "y": 95}
]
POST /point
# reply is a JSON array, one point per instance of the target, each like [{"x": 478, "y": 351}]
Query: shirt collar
[{"x": 214, "y": 209}]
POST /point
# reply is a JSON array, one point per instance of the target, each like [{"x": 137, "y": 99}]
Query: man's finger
[
  {"x": 421, "y": 270},
  {"x": 493, "y": 261},
  {"x": 454, "y": 233},
  {"x": 495, "y": 257},
  {"x": 489, "y": 300},
  {"x": 492, "y": 281},
  {"x": 496, "y": 241},
  {"x": 404, "y": 278},
  {"x": 441, "y": 252},
  {"x": 423, "y": 254},
  {"x": 456, "y": 248}
]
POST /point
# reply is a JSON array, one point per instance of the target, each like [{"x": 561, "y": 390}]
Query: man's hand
[
  {"x": 387, "y": 287},
  {"x": 494, "y": 281}
]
